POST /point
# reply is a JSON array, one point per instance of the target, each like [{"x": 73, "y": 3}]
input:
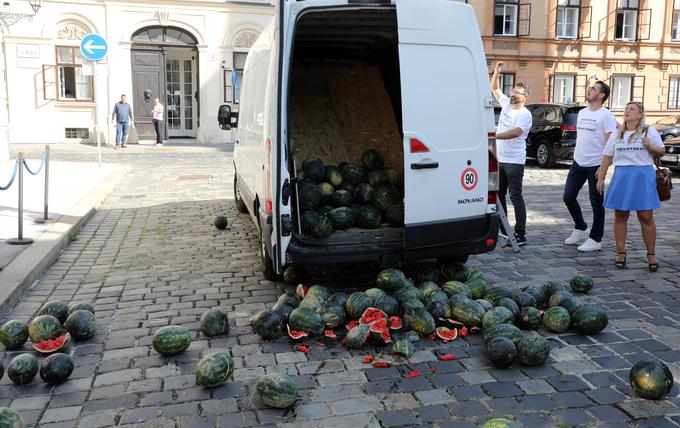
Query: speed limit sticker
[{"x": 469, "y": 179}]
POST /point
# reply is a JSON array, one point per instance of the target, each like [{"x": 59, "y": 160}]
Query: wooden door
[{"x": 148, "y": 82}]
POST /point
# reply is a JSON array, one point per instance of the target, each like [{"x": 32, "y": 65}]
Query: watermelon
[
  {"x": 351, "y": 188},
  {"x": 501, "y": 352},
  {"x": 214, "y": 323},
  {"x": 322, "y": 227},
  {"x": 372, "y": 159},
  {"x": 325, "y": 209},
  {"x": 529, "y": 318},
  {"x": 409, "y": 293},
  {"x": 214, "y": 369},
  {"x": 354, "y": 174},
  {"x": 651, "y": 379},
  {"x": 289, "y": 298},
  {"x": 13, "y": 334},
  {"x": 326, "y": 191},
  {"x": 314, "y": 170},
  {"x": 310, "y": 160},
  {"x": 589, "y": 319},
  {"x": 56, "y": 368},
  {"x": 557, "y": 319},
  {"x": 368, "y": 217},
  {"x": 439, "y": 310},
  {"x": 538, "y": 295},
  {"x": 307, "y": 220},
  {"x": 277, "y": 390},
  {"x": 307, "y": 320},
  {"x": 171, "y": 340},
  {"x": 57, "y": 309},
  {"x": 81, "y": 324},
  {"x": 267, "y": 323},
  {"x": 332, "y": 175},
  {"x": 456, "y": 287},
  {"x": 501, "y": 423},
  {"x": 309, "y": 197},
  {"x": 533, "y": 350},
  {"x": 374, "y": 293},
  {"x": 429, "y": 287},
  {"x": 378, "y": 177},
  {"x": 44, "y": 327},
  {"x": 420, "y": 321},
  {"x": 551, "y": 287},
  {"x": 332, "y": 314},
  {"x": 581, "y": 283},
  {"x": 22, "y": 369},
  {"x": 495, "y": 294},
  {"x": 318, "y": 291},
  {"x": 485, "y": 304},
  {"x": 412, "y": 305},
  {"x": 468, "y": 312},
  {"x": 294, "y": 274},
  {"x": 342, "y": 218},
  {"x": 524, "y": 299},
  {"x": 477, "y": 288},
  {"x": 387, "y": 304},
  {"x": 370, "y": 315},
  {"x": 362, "y": 193},
  {"x": 403, "y": 348},
  {"x": 341, "y": 198},
  {"x": 503, "y": 330},
  {"x": 78, "y": 306},
  {"x": 446, "y": 334},
  {"x": 509, "y": 304},
  {"x": 221, "y": 222},
  {"x": 337, "y": 299},
  {"x": 357, "y": 336},
  {"x": 437, "y": 296},
  {"x": 60, "y": 344},
  {"x": 357, "y": 303},
  {"x": 380, "y": 331},
  {"x": 391, "y": 280},
  {"x": 566, "y": 300},
  {"x": 394, "y": 215},
  {"x": 383, "y": 197},
  {"x": 10, "y": 418},
  {"x": 296, "y": 335},
  {"x": 498, "y": 315},
  {"x": 454, "y": 271}
]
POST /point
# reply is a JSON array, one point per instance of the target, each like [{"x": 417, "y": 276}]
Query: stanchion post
[
  {"x": 20, "y": 214},
  {"x": 47, "y": 179}
]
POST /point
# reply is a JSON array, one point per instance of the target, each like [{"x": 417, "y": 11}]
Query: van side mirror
[{"x": 226, "y": 118}]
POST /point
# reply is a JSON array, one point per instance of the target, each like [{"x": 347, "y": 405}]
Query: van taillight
[
  {"x": 268, "y": 177},
  {"x": 417, "y": 146},
  {"x": 493, "y": 170},
  {"x": 567, "y": 128}
]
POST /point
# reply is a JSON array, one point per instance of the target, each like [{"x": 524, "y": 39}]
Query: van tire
[
  {"x": 544, "y": 153},
  {"x": 267, "y": 263},
  {"x": 458, "y": 259},
  {"x": 240, "y": 205}
]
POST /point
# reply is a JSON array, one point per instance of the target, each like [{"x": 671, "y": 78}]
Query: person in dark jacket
[{"x": 122, "y": 117}]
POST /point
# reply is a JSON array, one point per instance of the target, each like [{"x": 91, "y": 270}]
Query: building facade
[
  {"x": 188, "y": 53},
  {"x": 558, "y": 46}
]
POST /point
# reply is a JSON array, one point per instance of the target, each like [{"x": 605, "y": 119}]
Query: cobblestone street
[{"x": 151, "y": 256}]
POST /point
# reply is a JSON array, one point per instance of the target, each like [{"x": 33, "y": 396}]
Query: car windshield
[{"x": 670, "y": 120}]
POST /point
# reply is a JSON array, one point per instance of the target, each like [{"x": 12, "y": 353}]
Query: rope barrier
[
  {"x": 42, "y": 164},
  {"x": 14, "y": 175}
]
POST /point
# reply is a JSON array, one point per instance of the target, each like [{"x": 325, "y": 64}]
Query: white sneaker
[
  {"x": 577, "y": 236},
  {"x": 590, "y": 245}
]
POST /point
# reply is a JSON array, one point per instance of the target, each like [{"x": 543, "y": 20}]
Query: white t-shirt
[
  {"x": 515, "y": 149},
  {"x": 633, "y": 153},
  {"x": 158, "y": 111},
  {"x": 591, "y": 127}
]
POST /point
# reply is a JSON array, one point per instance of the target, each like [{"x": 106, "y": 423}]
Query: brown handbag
[{"x": 664, "y": 185}]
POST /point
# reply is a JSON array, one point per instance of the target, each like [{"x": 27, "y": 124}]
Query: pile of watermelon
[{"x": 363, "y": 195}]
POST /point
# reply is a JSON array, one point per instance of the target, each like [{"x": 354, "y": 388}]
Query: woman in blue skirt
[{"x": 631, "y": 149}]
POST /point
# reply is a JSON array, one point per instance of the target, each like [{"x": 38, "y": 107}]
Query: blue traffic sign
[{"x": 94, "y": 47}]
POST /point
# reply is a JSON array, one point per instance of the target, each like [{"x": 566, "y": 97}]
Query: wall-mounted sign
[{"x": 28, "y": 51}]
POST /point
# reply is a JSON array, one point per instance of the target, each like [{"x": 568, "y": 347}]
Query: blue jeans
[
  {"x": 577, "y": 177},
  {"x": 121, "y": 133}
]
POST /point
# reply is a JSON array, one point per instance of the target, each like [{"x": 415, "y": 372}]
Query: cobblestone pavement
[{"x": 151, "y": 257}]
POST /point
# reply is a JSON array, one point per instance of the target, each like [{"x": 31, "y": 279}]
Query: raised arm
[{"x": 495, "y": 82}]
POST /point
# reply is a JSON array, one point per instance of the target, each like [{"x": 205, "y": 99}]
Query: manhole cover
[{"x": 195, "y": 177}]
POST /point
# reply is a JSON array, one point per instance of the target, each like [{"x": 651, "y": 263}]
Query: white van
[{"x": 333, "y": 78}]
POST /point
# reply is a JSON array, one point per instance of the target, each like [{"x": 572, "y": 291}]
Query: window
[
  {"x": 73, "y": 85},
  {"x": 507, "y": 82},
  {"x": 622, "y": 90},
  {"x": 81, "y": 133},
  {"x": 563, "y": 92},
  {"x": 237, "y": 74},
  {"x": 567, "y": 19},
  {"x": 626, "y": 19},
  {"x": 674, "y": 93},
  {"x": 676, "y": 20},
  {"x": 505, "y": 17}
]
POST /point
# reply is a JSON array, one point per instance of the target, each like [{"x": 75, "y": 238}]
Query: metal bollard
[
  {"x": 21, "y": 240},
  {"x": 45, "y": 218}
]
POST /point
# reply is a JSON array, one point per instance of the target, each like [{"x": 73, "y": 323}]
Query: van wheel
[
  {"x": 240, "y": 205},
  {"x": 544, "y": 154},
  {"x": 266, "y": 261},
  {"x": 459, "y": 259}
]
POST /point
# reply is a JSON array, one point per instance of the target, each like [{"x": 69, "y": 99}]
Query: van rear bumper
[{"x": 470, "y": 236}]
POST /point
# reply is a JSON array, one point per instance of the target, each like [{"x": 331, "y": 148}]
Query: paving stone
[
  {"x": 605, "y": 395},
  {"x": 312, "y": 411},
  {"x": 501, "y": 389},
  {"x": 397, "y": 418},
  {"x": 142, "y": 414},
  {"x": 98, "y": 420},
  {"x": 538, "y": 402},
  {"x": 399, "y": 401},
  {"x": 504, "y": 405},
  {"x": 432, "y": 413},
  {"x": 535, "y": 386},
  {"x": 468, "y": 393},
  {"x": 572, "y": 417},
  {"x": 60, "y": 414},
  {"x": 567, "y": 383},
  {"x": 363, "y": 420},
  {"x": 433, "y": 396},
  {"x": 355, "y": 405},
  {"x": 647, "y": 409},
  {"x": 607, "y": 414}
]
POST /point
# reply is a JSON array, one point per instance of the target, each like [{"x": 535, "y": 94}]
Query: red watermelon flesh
[
  {"x": 447, "y": 334},
  {"x": 380, "y": 327},
  {"x": 396, "y": 323},
  {"x": 372, "y": 314},
  {"x": 49, "y": 346},
  {"x": 297, "y": 335}
]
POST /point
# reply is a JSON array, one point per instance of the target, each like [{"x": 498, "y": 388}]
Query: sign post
[{"x": 95, "y": 48}]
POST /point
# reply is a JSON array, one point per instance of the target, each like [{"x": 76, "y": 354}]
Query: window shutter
[
  {"x": 551, "y": 95},
  {"x": 581, "y": 81},
  {"x": 607, "y": 26},
  {"x": 228, "y": 88},
  {"x": 49, "y": 81},
  {"x": 524, "y": 21},
  {"x": 638, "y": 92},
  {"x": 644, "y": 24},
  {"x": 585, "y": 22}
]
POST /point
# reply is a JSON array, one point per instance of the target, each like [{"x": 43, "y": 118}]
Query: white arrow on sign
[{"x": 90, "y": 47}]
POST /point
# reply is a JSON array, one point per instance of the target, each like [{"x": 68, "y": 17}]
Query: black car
[
  {"x": 553, "y": 133},
  {"x": 672, "y": 157},
  {"x": 668, "y": 127}
]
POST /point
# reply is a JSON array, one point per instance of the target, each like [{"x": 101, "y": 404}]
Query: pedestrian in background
[
  {"x": 157, "y": 113},
  {"x": 594, "y": 126},
  {"x": 122, "y": 117},
  {"x": 514, "y": 124},
  {"x": 632, "y": 150}
]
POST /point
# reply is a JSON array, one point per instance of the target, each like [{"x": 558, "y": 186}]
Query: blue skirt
[{"x": 633, "y": 188}]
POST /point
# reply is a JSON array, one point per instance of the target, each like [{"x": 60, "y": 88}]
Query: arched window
[{"x": 164, "y": 36}]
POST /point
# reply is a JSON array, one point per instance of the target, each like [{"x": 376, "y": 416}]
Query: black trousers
[
  {"x": 511, "y": 177},
  {"x": 158, "y": 126}
]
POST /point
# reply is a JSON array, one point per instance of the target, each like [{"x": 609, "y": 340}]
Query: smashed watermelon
[{"x": 50, "y": 346}]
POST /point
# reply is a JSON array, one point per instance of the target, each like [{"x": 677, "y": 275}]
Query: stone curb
[{"x": 30, "y": 264}]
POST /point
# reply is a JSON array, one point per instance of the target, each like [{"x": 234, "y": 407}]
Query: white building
[{"x": 182, "y": 51}]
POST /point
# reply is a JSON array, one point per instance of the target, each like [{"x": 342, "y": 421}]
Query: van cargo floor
[{"x": 356, "y": 236}]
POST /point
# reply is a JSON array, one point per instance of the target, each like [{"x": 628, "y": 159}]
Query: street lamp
[{"x": 9, "y": 18}]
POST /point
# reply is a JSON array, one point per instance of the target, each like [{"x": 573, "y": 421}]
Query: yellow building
[{"x": 557, "y": 46}]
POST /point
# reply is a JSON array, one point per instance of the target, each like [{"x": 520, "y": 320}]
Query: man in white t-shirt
[
  {"x": 514, "y": 124},
  {"x": 157, "y": 113},
  {"x": 593, "y": 128}
]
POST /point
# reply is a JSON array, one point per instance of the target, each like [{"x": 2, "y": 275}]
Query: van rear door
[{"x": 444, "y": 83}]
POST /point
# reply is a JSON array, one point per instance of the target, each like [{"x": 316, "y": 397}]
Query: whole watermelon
[
  {"x": 44, "y": 327},
  {"x": 372, "y": 159},
  {"x": 383, "y": 197},
  {"x": 391, "y": 280},
  {"x": 322, "y": 227},
  {"x": 387, "y": 304},
  {"x": 9, "y": 418},
  {"x": 495, "y": 294},
  {"x": 268, "y": 323},
  {"x": 214, "y": 369},
  {"x": 557, "y": 319},
  {"x": 477, "y": 288},
  {"x": 373, "y": 293},
  {"x": 13, "y": 334},
  {"x": 214, "y": 323},
  {"x": 581, "y": 283},
  {"x": 485, "y": 304},
  {"x": 429, "y": 287},
  {"x": 394, "y": 215},
  {"x": 456, "y": 287},
  {"x": 501, "y": 423},
  {"x": 78, "y": 306},
  {"x": 342, "y": 217},
  {"x": 503, "y": 330},
  {"x": 498, "y": 315},
  {"x": 307, "y": 320},
  {"x": 368, "y": 217},
  {"x": 538, "y": 294},
  {"x": 337, "y": 299},
  {"x": 566, "y": 300},
  {"x": 501, "y": 352},
  {"x": 589, "y": 319},
  {"x": 314, "y": 170},
  {"x": 468, "y": 312},
  {"x": 651, "y": 379},
  {"x": 509, "y": 304},
  {"x": 529, "y": 318},
  {"x": 533, "y": 350},
  {"x": 171, "y": 340},
  {"x": 357, "y": 303},
  {"x": 341, "y": 198},
  {"x": 22, "y": 369},
  {"x": 56, "y": 368},
  {"x": 378, "y": 177},
  {"x": 333, "y": 175},
  {"x": 309, "y": 197},
  {"x": 551, "y": 287},
  {"x": 408, "y": 293},
  {"x": 81, "y": 324},
  {"x": 326, "y": 191},
  {"x": 294, "y": 274},
  {"x": 277, "y": 390},
  {"x": 363, "y": 193},
  {"x": 307, "y": 220},
  {"x": 57, "y": 309},
  {"x": 354, "y": 174},
  {"x": 420, "y": 321},
  {"x": 332, "y": 314}
]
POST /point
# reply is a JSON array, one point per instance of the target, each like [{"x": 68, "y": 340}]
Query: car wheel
[
  {"x": 544, "y": 154},
  {"x": 267, "y": 263},
  {"x": 459, "y": 259},
  {"x": 240, "y": 205}
]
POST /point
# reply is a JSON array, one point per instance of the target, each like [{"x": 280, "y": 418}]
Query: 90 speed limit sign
[{"x": 469, "y": 179}]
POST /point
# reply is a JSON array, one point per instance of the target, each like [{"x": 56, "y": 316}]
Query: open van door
[{"x": 443, "y": 86}]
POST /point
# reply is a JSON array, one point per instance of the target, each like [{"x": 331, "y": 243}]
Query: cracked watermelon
[
  {"x": 56, "y": 368},
  {"x": 57, "y": 309},
  {"x": 214, "y": 369},
  {"x": 60, "y": 344},
  {"x": 44, "y": 327},
  {"x": 214, "y": 323},
  {"x": 356, "y": 337},
  {"x": 171, "y": 340},
  {"x": 81, "y": 324},
  {"x": 403, "y": 348},
  {"x": 22, "y": 369},
  {"x": 307, "y": 320},
  {"x": 13, "y": 334},
  {"x": 357, "y": 303},
  {"x": 277, "y": 390}
]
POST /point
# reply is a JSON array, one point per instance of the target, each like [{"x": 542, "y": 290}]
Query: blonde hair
[{"x": 641, "y": 127}]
